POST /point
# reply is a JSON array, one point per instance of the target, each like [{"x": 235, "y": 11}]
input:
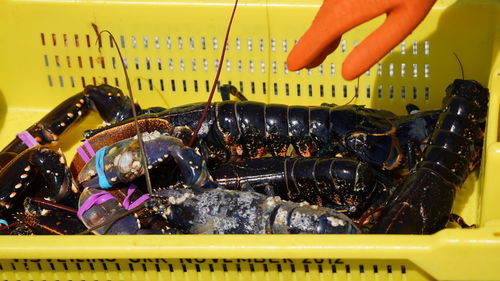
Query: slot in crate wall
[{"x": 48, "y": 52}]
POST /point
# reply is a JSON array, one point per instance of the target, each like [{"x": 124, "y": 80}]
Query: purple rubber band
[
  {"x": 139, "y": 201},
  {"x": 126, "y": 202},
  {"x": 89, "y": 148},
  {"x": 27, "y": 139},
  {"x": 82, "y": 154},
  {"x": 95, "y": 199}
]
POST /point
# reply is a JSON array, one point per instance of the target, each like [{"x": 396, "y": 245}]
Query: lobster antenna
[
  {"x": 214, "y": 85},
  {"x": 461, "y": 66},
  {"x": 8, "y": 226},
  {"x": 53, "y": 205},
  {"x": 366, "y": 215},
  {"x": 134, "y": 112},
  {"x": 356, "y": 89}
]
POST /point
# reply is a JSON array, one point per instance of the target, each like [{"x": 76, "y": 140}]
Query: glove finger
[
  {"x": 398, "y": 25},
  {"x": 321, "y": 57},
  {"x": 333, "y": 19}
]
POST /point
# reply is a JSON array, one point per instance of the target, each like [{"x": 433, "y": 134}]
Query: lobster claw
[
  {"x": 110, "y": 102},
  {"x": 122, "y": 161},
  {"x": 39, "y": 171}
]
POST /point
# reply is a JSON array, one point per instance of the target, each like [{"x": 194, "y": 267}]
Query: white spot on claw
[
  {"x": 336, "y": 222},
  {"x": 12, "y": 194},
  {"x": 23, "y": 176},
  {"x": 19, "y": 185}
]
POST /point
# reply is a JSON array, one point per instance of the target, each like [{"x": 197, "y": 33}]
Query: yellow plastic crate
[{"x": 48, "y": 52}]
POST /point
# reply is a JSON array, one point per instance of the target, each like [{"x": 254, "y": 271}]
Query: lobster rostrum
[
  {"x": 346, "y": 185},
  {"x": 422, "y": 204},
  {"x": 240, "y": 130}
]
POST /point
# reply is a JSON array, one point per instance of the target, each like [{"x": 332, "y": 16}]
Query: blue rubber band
[
  {"x": 4, "y": 222},
  {"x": 99, "y": 166}
]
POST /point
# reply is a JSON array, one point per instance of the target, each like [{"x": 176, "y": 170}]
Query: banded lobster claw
[
  {"x": 121, "y": 162},
  {"x": 111, "y": 104}
]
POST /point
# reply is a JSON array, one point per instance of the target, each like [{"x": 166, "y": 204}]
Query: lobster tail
[{"x": 423, "y": 203}]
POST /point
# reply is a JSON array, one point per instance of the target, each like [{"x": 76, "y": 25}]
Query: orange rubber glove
[{"x": 338, "y": 16}]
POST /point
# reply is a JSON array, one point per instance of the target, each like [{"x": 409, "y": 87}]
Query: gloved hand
[{"x": 338, "y": 16}]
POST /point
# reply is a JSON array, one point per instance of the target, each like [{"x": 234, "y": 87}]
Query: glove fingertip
[
  {"x": 352, "y": 71},
  {"x": 294, "y": 63}
]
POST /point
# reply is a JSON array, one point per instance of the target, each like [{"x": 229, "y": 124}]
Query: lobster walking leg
[{"x": 423, "y": 203}]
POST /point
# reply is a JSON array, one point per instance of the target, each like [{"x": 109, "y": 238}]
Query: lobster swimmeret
[{"x": 422, "y": 204}]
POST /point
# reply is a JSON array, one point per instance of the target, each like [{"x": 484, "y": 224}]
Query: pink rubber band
[
  {"x": 86, "y": 155},
  {"x": 82, "y": 154},
  {"x": 126, "y": 202},
  {"x": 89, "y": 148},
  {"x": 95, "y": 199},
  {"x": 27, "y": 139}
]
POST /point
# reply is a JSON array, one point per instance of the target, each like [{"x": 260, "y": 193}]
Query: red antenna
[
  {"x": 214, "y": 85},
  {"x": 134, "y": 113},
  {"x": 356, "y": 89}
]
